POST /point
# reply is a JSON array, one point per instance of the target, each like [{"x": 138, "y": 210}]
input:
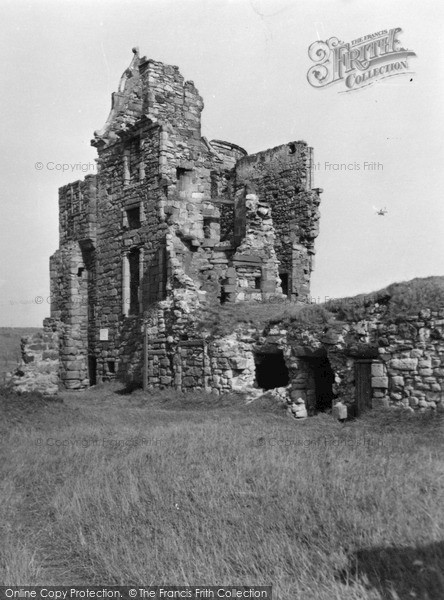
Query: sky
[{"x": 249, "y": 59}]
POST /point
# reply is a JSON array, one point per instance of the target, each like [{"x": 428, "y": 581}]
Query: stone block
[
  {"x": 339, "y": 411},
  {"x": 299, "y": 411},
  {"x": 73, "y": 385},
  {"x": 239, "y": 363},
  {"x": 248, "y": 259},
  {"x": 383, "y": 402},
  {"x": 75, "y": 365},
  {"x": 380, "y": 382},
  {"x": 425, "y": 372},
  {"x": 268, "y": 286},
  {"x": 378, "y": 370},
  {"x": 72, "y": 375},
  {"x": 425, "y": 363},
  {"x": 404, "y": 364}
]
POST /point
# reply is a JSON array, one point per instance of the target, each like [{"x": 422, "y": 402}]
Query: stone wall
[
  {"x": 282, "y": 178},
  {"x": 39, "y": 367},
  {"x": 403, "y": 360},
  {"x": 173, "y": 223},
  {"x": 77, "y": 210},
  {"x": 412, "y": 352},
  {"x": 172, "y": 218}
]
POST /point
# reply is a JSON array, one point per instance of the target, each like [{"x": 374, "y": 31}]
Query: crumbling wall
[
  {"x": 412, "y": 351},
  {"x": 255, "y": 261},
  {"x": 39, "y": 367},
  {"x": 70, "y": 303},
  {"x": 77, "y": 210},
  {"x": 172, "y": 220},
  {"x": 282, "y": 178},
  {"x": 405, "y": 358}
]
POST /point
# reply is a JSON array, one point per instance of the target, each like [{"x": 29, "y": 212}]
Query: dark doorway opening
[
  {"x": 321, "y": 379},
  {"x": 284, "y": 283},
  {"x": 92, "y": 370},
  {"x": 111, "y": 367},
  {"x": 271, "y": 370}
]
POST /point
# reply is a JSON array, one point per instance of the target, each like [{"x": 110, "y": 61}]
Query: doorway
[
  {"x": 319, "y": 383},
  {"x": 271, "y": 370}
]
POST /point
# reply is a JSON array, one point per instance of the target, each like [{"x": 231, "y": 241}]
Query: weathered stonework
[
  {"x": 39, "y": 367},
  {"x": 400, "y": 362},
  {"x": 172, "y": 223}
]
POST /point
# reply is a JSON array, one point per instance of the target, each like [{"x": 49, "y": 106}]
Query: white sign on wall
[{"x": 103, "y": 335}]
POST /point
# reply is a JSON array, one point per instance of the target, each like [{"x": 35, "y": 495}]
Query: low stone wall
[
  {"x": 39, "y": 367},
  {"x": 365, "y": 364}
]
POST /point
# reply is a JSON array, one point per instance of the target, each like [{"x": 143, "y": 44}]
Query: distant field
[
  {"x": 10, "y": 346},
  {"x": 115, "y": 488}
]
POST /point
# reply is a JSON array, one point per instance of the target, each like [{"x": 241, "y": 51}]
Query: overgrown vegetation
[
  {"x": 393, "y": 303},
  {"x": 397, "y": 300},
  {"x": 129, "y": 488},
  {"x": 222, "y": 320}
]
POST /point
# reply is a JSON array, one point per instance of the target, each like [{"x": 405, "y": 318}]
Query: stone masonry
[
  {"x": 173, "y": 223},
  {"x": 171, "y": 220}
]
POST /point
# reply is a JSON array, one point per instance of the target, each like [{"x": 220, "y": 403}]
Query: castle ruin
[
  {"x": 172, "y": 220},
  {"x": 173, "y": 224}
]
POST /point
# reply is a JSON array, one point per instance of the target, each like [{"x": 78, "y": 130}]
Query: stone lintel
[{"x": 249, "y": 258}]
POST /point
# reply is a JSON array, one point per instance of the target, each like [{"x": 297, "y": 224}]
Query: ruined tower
[{"x": 170, "y": 221}]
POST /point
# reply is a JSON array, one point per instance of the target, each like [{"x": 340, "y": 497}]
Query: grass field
[{"x": 114, "y": 488}]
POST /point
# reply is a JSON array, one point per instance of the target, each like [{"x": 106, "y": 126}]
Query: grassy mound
[
  {"x": 394, "y": 302},
  {"x": 399, "y": 300}
]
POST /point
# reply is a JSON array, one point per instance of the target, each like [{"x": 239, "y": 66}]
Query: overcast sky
[{"x": 248, "y": 58}]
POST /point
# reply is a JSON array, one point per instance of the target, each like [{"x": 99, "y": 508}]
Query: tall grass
[{"x": 138, "y": 490}]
